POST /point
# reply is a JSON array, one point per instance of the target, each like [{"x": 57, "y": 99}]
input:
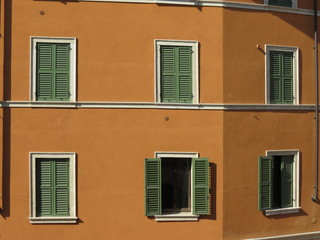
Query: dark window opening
[{"x": 176, "y": 184}]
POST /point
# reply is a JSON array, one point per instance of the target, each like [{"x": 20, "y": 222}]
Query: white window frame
[
  {"x": 184, "y": 216},
  {"x": 72, "y": 195},
  {"x": 294, "y": 4},
  {"x": 73, "y": 54},
  {"x": 295, "y": 63},
  {"x": 295, "y": 185},
  {"x": 195, "y": 66}
]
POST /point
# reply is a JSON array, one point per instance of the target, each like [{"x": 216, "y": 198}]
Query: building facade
[{"x": 212, "y": 102}]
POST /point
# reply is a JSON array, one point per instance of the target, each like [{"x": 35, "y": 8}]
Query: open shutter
[
  {"x": 286, "y": 181},
  {"x": 153, "y": 186},
  {"x": 45, "y": 71},
  {"x": 44, "y": 190},
  {"x": 200, "y": 183},
  {"x": 265, "y": 183},
  {"x": 62, "y": 187},
  {"x": 62, "y": 72}
]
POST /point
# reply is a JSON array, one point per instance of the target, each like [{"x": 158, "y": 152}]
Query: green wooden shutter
[
  {"x": 53, "y": 72},
  {"x": 287, "y": 73},
  {"x": 44, "y": 189},
  {"x": 52, "y": 191},
  {"x": 265, "y": 183},
  {"x": 200, "y": 184},
  {"x": 153, "y": 186},
  {"x": 62, "y": 187},
  {"x": 176, "y": 74},
  {"x": 283, "y": 3},
  {"x": 286, "y": 181},
  {"x": 281, "y": 77},
  {"x": 45, "y": 71}
]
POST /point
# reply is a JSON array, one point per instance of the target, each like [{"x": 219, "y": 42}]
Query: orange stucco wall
[
  {"x": 111, "y": 146},
  {"x": 272, "y": 130},
  {"x": 115, "y": 63},
  {"x": 116, "y": 45}
]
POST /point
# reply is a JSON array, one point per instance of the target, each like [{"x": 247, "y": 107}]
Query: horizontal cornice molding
[
  {"x": 213, "y": 3},
  {"x": 147, "y": 105},
  {"x": 299, "y": 236}
]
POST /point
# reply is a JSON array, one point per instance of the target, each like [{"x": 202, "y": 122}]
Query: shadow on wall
[
  {"x": 213, "y": 193},
  {"x": 6, "y": 111}
]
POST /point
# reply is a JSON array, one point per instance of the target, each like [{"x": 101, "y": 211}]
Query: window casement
[
  {"x": 176, "y": 71},
  {"x": 53, "y": 69},
  {"x": 52, "y": 185},
  {"x": 279, "y": 182},
  {"x": 282, "y": 3},
  {"x": 176, "y": 187},
  {"x": 282, "y": 75}
]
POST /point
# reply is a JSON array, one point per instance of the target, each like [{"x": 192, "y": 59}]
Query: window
[
  {"x": 177, "y": 71},
  {"x": 53, "y": 188},
  {"x": 279, "y": 182},
  {"x": 282, "y": 75},
  {"x": 177, "y": 187},
  {"x": 53, "y": 69},
  {"x": 283, "y": 3}
]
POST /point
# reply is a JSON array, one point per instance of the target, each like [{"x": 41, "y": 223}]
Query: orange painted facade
[{"x": 116, "y": 122}]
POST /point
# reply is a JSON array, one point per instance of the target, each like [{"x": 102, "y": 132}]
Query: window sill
[
  {"x": 177, "y": 217},
  {"x": 40, "y": 220},
  {"x": 280, "y": 211}
]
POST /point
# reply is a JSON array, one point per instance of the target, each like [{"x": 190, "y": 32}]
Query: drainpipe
[{"x": 316, "y": 186}]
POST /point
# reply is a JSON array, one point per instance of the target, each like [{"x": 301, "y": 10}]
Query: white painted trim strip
[
  {"x": 298, "y": 236},
  {"x": 149, "y": 105},
  {"x": 214, "y": 3}
]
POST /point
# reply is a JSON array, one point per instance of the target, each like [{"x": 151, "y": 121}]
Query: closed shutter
[
  {"x": 265, "y": 183},
  {"x": 62, "y": 187},
  {"x": 153, "y": 186},
  {"x": 281, "y": 77},
  {"x": 176, "y": 74},
  {"x": 200, "y": 183},
  {"x": 283, "y": 3},
  {"x": 53, "y": 72},
  {"x": 44, "y": 190},
  {"x": 52, "y": 194},
  {"x": 286, "y": 181}
]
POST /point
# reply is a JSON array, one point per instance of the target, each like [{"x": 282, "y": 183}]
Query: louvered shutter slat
[
  {"x": 200, "y": 183},
  {"x": 153, "y": 186},
  {"x": 286, "y": 181},
  {"x": 265, "y": 183}
]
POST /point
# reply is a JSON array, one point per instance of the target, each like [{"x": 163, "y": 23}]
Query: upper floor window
[
  {"x": 282, "y": 3},
  {"x": 53, "y": 69},
  {"x": 177, "y": 71},
  {"x": 282, "y": 75}
]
